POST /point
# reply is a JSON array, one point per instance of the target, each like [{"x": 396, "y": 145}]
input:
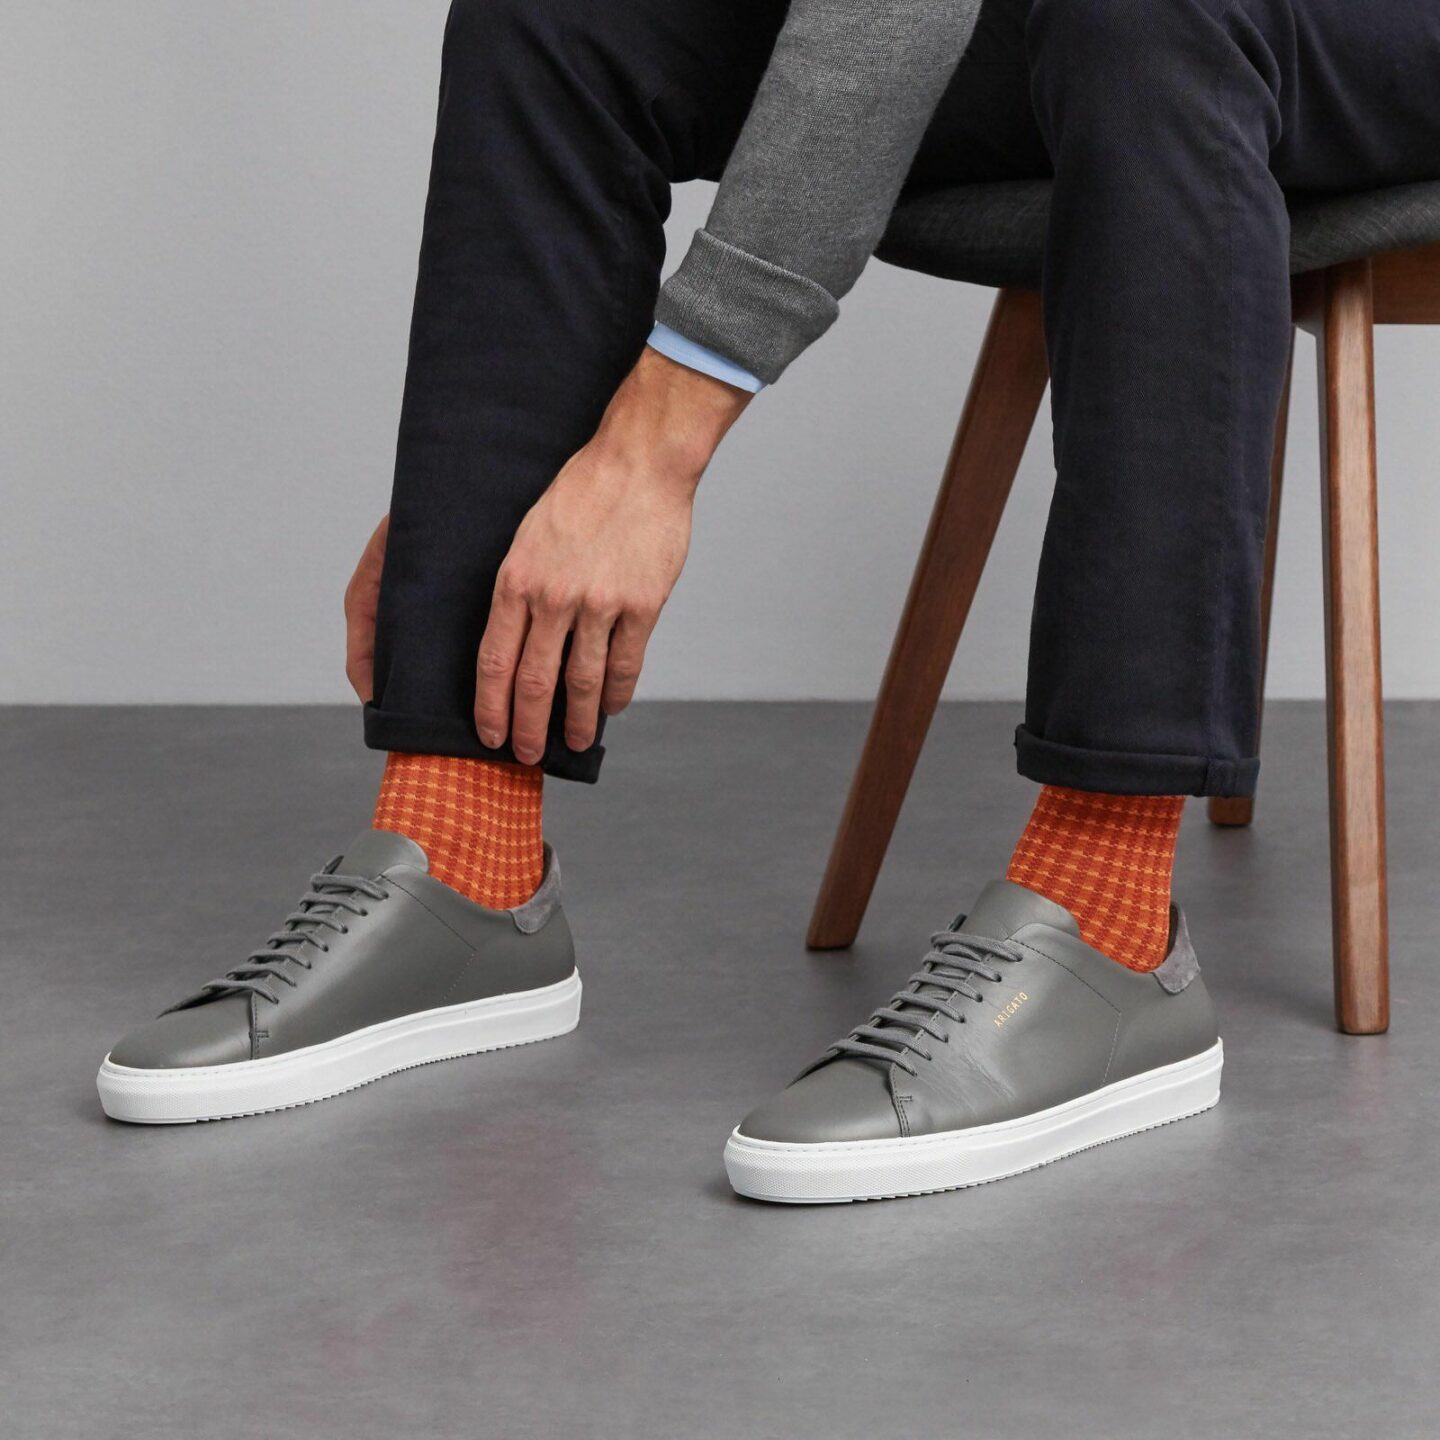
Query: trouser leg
[
  {"x": 1172, "y": 126},
  {"x": 561, "y": 126}
]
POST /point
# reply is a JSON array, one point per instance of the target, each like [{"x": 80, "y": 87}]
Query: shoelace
[
  {"x": 947, "y": 973},
  {"x": 321, "y": 908}
]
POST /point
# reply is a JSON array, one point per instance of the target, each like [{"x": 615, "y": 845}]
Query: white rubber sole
[
  {"x": 252, "y": 1087},
  {"x": 920, "y": 1165}
]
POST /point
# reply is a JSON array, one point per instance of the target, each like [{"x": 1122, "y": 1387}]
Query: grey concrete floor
[{"x": 541, "y": 1242}]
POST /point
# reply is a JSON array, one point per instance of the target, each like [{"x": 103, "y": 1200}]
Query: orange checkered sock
[
  {"x": 1107, "y": 860},
  {"x": 479, "y": 823}
]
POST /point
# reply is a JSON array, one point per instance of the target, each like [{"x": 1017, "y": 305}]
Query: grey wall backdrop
[{"x": 209, "y": 218}]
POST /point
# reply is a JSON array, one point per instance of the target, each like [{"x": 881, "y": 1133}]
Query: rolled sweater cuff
[{"x": 757, "y": 314}]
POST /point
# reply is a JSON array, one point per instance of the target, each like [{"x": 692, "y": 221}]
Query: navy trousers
[{"x": 1172, "y": 129}]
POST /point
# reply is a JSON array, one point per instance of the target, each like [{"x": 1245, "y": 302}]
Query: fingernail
[
  {"x": 576, "y": 742},
  {"x": 490, "y": 738}
]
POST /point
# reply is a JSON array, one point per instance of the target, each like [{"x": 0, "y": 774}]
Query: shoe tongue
[
  {"x": 374, "y": 851},
  {"x": 1004, "y": 907}
]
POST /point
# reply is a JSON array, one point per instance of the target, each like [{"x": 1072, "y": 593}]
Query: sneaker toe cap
[
  {"x": 214, "y": 1034},
  {"x": 844, "y": 1100}
]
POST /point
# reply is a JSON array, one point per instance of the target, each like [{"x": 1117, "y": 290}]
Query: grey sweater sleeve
[{"x": 835, "y": 125}]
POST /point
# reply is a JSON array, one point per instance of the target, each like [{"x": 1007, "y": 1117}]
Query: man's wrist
[
  {"x": 685, "y": 351},
  {"x": 669, "y": 415}
]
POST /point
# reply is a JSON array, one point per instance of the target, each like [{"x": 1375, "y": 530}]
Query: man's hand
[
  {"x": 362, "y": 600},
  {"x": 597, "y": 556}
]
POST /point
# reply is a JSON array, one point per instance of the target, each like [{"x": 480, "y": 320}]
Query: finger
[
  {"x": 360, "y": 656},
  {"x": 535, "y": 679},
  {"x": 362, "y": 600},
  {"x": 495, "y": 663},
  {"x": 585, "y": 677},
  {"x": 627, "y": 656},
  {"x": 360, "y": 638}
]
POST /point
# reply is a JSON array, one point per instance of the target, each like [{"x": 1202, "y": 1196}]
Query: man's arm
[
  {"x": 835, "y": 125},
  {"x": 814, "y": 175},
  {"x": 596, "y": 558}
]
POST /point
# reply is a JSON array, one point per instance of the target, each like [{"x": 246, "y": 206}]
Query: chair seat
[{"x": 994, "y": 234}]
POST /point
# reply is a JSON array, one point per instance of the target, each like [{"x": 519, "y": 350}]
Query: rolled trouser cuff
[
  {"x": 445, "y": 735},
  {"x": 1124, "y": 772}
]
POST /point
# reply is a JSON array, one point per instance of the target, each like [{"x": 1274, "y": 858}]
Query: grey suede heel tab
[
  {"x": 1180, "y": 966},
  {"x": 533, "y": 914}
]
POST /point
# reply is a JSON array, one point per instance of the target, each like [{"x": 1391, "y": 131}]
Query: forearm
[{"x": 667, "y": 420}]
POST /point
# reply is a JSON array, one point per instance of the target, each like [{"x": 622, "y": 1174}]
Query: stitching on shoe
[
  {"x": 1044, "y": 956},
  {"x": 1119, "y": 1014},
  {"x": 442, "y": 920},
  {"x": 900, "y": 1102},
  {"x": 460, "y": 974}
]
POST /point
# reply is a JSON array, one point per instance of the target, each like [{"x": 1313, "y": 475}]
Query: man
[{"x": 548, "y": 457}]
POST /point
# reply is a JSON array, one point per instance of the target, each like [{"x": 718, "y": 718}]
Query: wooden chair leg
[
  {"x": 1233, "y": 810},
  {"x": 1005, "y": 393},
  {"x": 1352, "y": 646}
]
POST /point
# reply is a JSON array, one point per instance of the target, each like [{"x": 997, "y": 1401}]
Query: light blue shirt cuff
[{"x": 699, "y": 357}]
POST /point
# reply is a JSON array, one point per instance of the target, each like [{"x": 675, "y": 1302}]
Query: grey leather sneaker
[
  {"x": 1014, "y": 1044},
  {"x": 381, "y": 967}
]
